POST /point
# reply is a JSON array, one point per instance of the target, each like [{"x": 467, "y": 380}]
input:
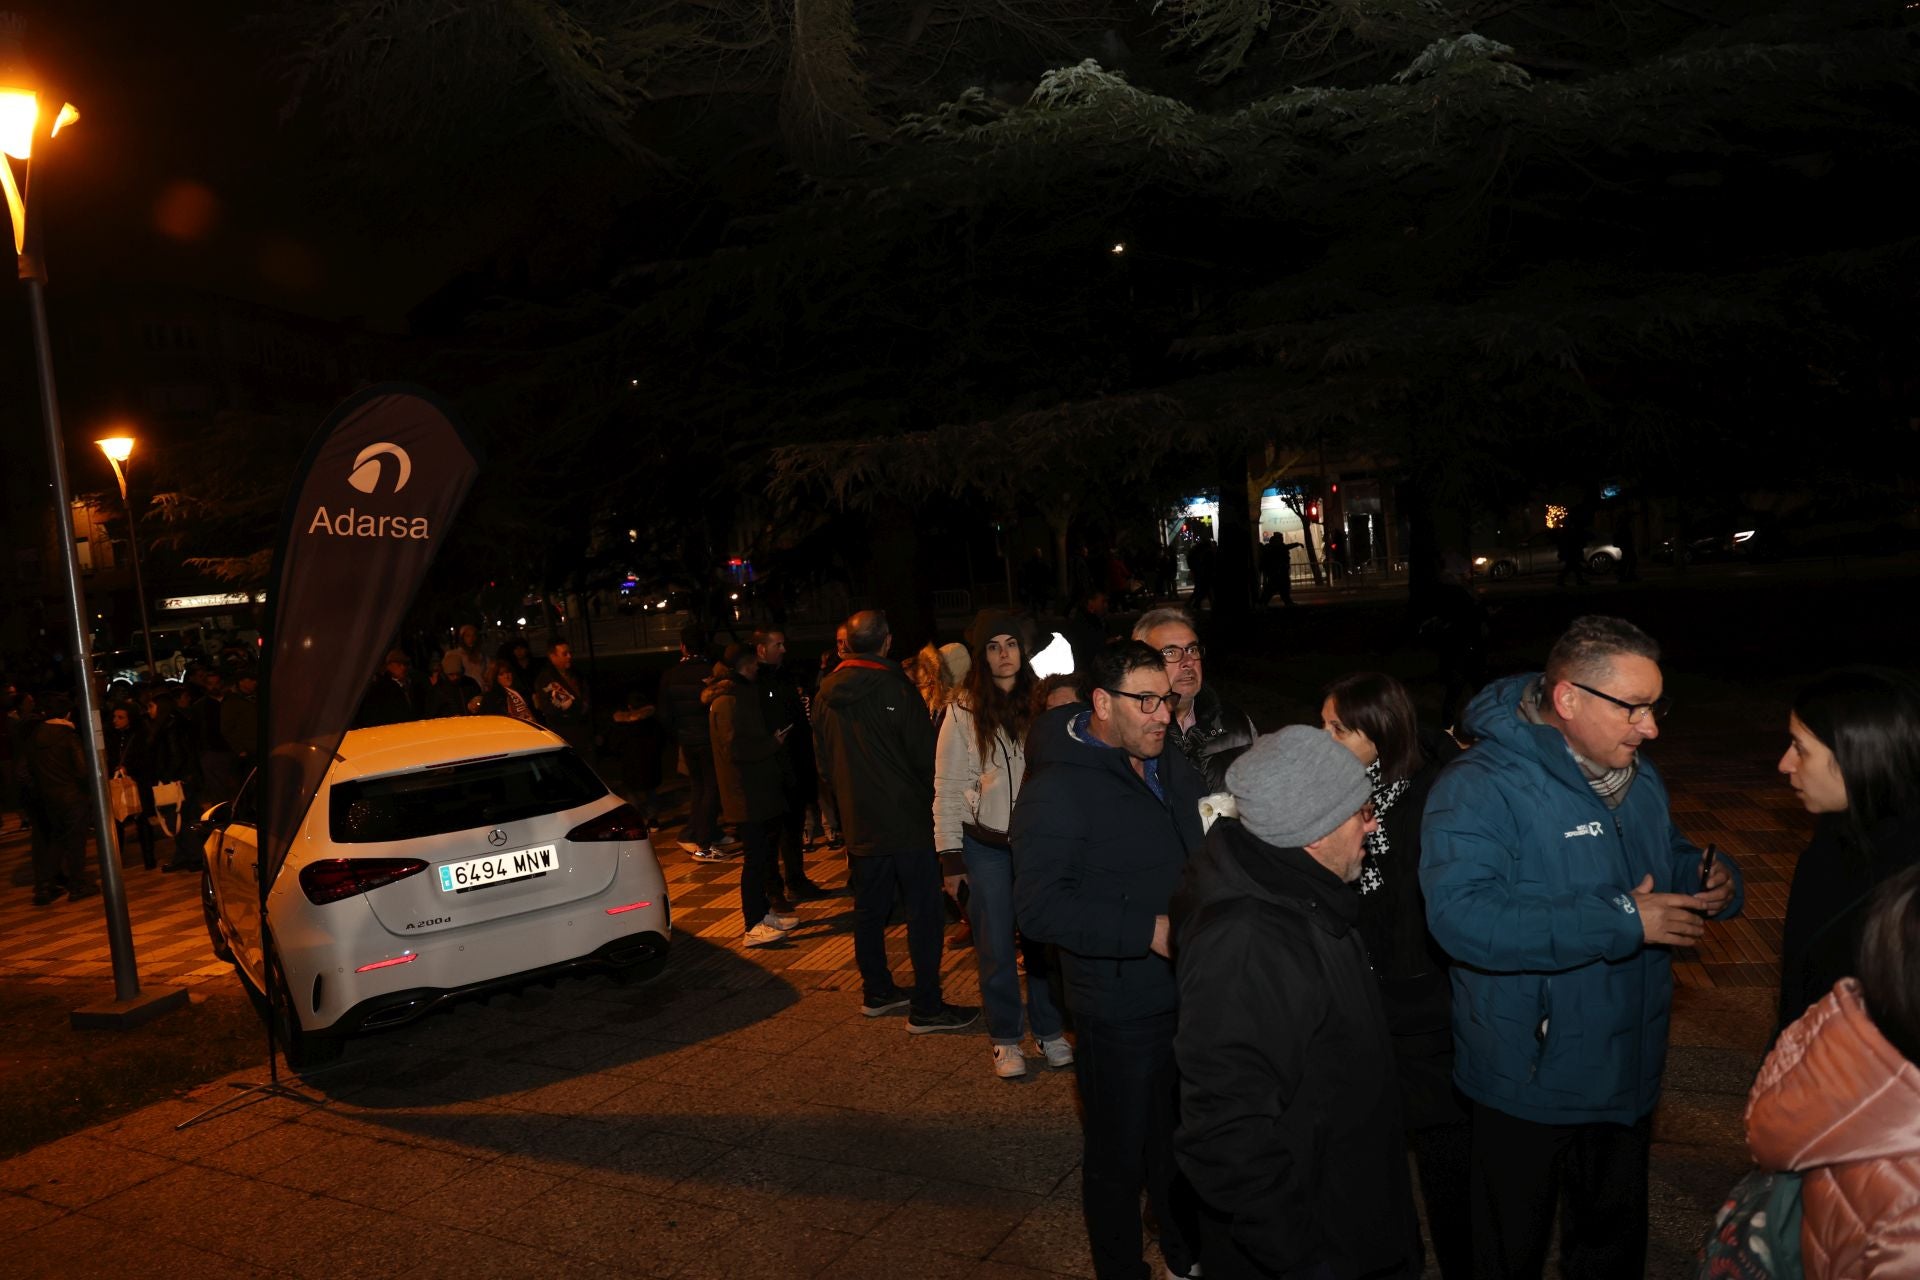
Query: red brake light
[
  {"x": 623, "y": 823},
  {"x": 631, "y": 906},
  {"x": 332, "y": 879},
  {"x": 408, "y": 958}
]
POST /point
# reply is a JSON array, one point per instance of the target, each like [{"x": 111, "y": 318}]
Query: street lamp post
[
  {"x": 118, "y": 449},
  {"x": 20, "y": 123}
]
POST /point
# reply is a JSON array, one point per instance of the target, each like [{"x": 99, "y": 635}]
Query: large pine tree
[{"x": 1487, "y": 244}]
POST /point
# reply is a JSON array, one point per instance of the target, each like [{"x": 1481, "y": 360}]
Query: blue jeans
[{"x": 996, "y": 944}]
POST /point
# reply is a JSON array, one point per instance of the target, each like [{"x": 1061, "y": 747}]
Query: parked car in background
[
  {"x": 1741, "y": 539},
  {"x": 1540, "y": 551},
  {"x": 440, "y": 859}
]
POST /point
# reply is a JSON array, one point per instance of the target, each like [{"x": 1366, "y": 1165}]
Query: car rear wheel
[
  {"x": 211, "y": 911},
  {"x": 1501, "y": 570},
  {"x": 303, "y": 1048},
  {"x": 1600, "y": 562}
]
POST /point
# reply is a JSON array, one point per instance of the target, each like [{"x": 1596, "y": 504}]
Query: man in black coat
[
  {"x": 684, "y": 715},
  {"x": 1209, "y": 730},
  {"x": 1289, "y": 1115},
  {"x": 1100, "y": 835},
  {"x": 876, "y": 756},
  {"x": 57, "y": 767}
]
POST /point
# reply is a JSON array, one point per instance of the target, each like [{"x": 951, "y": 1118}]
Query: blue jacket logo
[{"x": 1587, "y": 829}]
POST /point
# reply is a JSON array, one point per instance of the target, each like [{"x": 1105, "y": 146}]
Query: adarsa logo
[{"x": 365, "y": 477}]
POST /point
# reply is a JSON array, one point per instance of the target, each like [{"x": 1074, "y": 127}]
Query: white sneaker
[
  {"x": 1008, "y": 1062},
  {"x": 774, "y": 920},
  {"x": 708, "y": 855},
  {"x": 1059, "y": 1052},
  {"x": 764, "y": 934}
]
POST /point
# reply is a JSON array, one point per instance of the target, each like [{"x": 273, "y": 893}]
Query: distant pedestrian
[
  {"x": 1290, "y": 1127},
  {"x": 876, "y": 750},
  {"x": 633, "y": 749},
  {"x": 473, "y": 664},
  {"x": 174, "y": 761},
  {"x": 979, "y": 767},
  {"x": 217, "y": 765},
  {"x": 684, "y": 715},
  {"x": 749, "y": 766},
  {"x": 453, "y": 694},
  {"x": 128, "y": 755},
  {"x": 785, "y": 709},
  {"x": 1276, "y": 569},
  {"x": 1036, "y": 582},
  {"x": 60, "y": 771},
  {"x": 240, "y": 721},
  {"x": 1570, "y": 545},
  {"x": 1100, "y": 837},
  {"x": 1201, "y": 559},
  {"x": 394, "y": 697},
  {"x": 561, "y": 696},
  {"x": 505, "y": 697},
  {"x": 1086, "y": 628}
]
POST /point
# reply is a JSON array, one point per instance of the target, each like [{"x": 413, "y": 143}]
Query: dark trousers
[
  {"x": 915, "y": 878},
  {"x": 792, "y": 870},
  {"x": 1441, "y": 1154},
  {"x": 1129, "y": 1092},
  {"x": 758, "y": 877},
  {"x": 703, "y": 795},
  {"x": 66, "y": 850},
  {"x": 1596, "y": 1173},
  {"x": 142, "y": 834}
]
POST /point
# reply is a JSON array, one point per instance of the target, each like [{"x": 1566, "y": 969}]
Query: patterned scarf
[
  {"x": 1384, "y": 794},
  {"x": 1609, "y": 784}
]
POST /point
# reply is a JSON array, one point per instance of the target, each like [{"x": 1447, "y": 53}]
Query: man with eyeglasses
[
  {"x": 1209, "y": 731},
  {"x": 1100, "y": 838},
  {"x": 1557, "y": 880}
]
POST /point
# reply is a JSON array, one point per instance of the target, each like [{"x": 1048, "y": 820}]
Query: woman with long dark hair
[
  {"x": 979, "y": 766},
  {"x": 1854, "y": 761},
  {"x": 1371, "y": 715}
]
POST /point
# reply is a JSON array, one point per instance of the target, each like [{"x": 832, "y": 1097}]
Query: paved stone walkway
[{"x": 735, "y": 1117}]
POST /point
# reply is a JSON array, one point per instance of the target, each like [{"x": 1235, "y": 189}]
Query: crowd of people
[{"x": 1277, "y": 964}]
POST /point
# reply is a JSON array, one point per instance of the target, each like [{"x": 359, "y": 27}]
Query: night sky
[{"x": 184, "y": 171}]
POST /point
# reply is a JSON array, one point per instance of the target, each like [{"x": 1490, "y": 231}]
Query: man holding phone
[{"x": 1556, "y": 879}]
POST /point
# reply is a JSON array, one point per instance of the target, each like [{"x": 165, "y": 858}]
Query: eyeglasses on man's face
[
  {"x": 1636, "y": 711},
  {"x": 1150, "y": 702},
  {"x": 1174, "y": 654}
]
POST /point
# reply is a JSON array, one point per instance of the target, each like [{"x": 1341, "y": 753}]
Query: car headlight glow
[
  {"x": 1479, "y": 560},
  {"x": 1743, "y": 536}
]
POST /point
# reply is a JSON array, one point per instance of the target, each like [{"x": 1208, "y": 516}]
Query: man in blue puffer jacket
[{"x": 1557, "y": 881}]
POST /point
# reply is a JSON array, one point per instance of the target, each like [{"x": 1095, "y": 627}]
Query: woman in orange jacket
[{"x": 1838, "y": 1100}]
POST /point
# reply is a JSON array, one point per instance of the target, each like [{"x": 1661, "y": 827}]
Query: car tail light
[
  {"x": 623, "y": 823},
  {"x": 408, "y": 958},
  {"x": 332, "y": 879},
  {"x": 631, "y": 906}
]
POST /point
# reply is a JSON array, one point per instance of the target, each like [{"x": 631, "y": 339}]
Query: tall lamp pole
[
  {"x": 118, "y": 449},
  {"x": 20, "y": 123}
]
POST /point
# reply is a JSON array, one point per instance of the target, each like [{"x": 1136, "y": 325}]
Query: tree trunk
[
  {"x": 823, "y": 103},
  {"x": 1233, "y": 586},
  {"x": 898, "y": 577},
  {"x": 1296, "y": 505}
]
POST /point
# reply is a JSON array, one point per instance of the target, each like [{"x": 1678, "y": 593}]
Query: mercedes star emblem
[{"x": 496, "y": 837}]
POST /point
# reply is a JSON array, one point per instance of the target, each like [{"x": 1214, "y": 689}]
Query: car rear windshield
[{"x": 459, "y": 797}]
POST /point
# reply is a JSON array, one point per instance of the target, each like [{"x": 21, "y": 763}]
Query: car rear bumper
[{"x": 395, "y": 1008}]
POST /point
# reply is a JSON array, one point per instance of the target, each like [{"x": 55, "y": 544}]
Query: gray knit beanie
[{"x": 1297, "y": 785}]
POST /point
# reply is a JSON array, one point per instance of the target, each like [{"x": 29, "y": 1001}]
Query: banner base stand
[
  {"x": 125, "y": 1015},
  {"x": 250, "y": 1092}
]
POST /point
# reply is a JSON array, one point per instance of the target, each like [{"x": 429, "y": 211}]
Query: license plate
[{"x": 498, "y": 868}]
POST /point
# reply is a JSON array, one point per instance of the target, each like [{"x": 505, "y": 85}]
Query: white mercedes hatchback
[{"x": 441, "y": 858}]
